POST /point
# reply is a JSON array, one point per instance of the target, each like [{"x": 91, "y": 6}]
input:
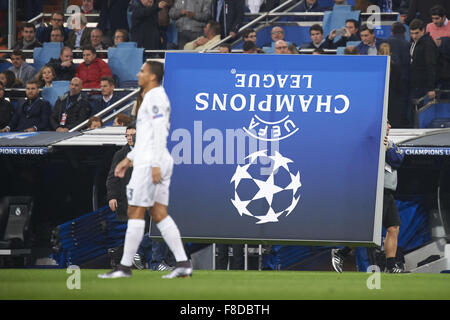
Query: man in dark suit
[
  {"x": 80, "y": 36},
  {"x": 70, "y": 109},
  {"x": 230, "y": 14},
  {"x": 115, "y": 186},
  {"x": 113, "y": 16},
  {"x": 56, "y": 21},
  {"x": 423, "y": 66},
  {"x": 108, "y": 96},
  {"x": 33, "y": 114},
  {"x": 63, "y": 66}
]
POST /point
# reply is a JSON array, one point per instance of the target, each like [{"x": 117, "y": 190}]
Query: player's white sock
[
  {"x": 133, "y": 238},
  {"x": 171, "y": 236}
]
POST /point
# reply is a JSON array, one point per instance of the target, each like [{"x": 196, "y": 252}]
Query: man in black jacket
[
  {"x": 63, "y": 66},
  {"x": 115, "y": 186},
  {"x": 113, "y": 16},
  {"x": 230, "y": 14},
  {"x": 423, "y": 8},
  {"x": 33, "y": 114},
  {"x": 424, "y": 56},
  {"x": 70, "y": 109},
  {"x": 6, "y": 108}
]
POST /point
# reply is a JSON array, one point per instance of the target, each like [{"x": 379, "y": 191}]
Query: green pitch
[{"x": 223, "y": 285}]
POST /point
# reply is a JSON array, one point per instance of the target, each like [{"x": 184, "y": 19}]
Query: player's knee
[
  {"x": 158, "y": 212},
  {"x": 136, "y": 212}
]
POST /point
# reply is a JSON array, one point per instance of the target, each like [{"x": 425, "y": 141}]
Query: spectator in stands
[
  {"x": 144, "y": 24},
  {"x": 369, "y": 43},
  {"x": 230, "y": 15},
  {"x": 122, "y": 120},
  {"x": 46, "y": 76},
  {"x": 107, "y": 87},
  {"x": 94, "y": 123},
  {"x": 348, "y": 33},
  {"x": 87, "y": 7},
  {"x": 422, "y": 8},
  {"x": 191, "y": 17},
  {"x": 249, "y": 47},
  {"x": 351, "y": 50},
  {"x": 317, "y": 40},
  {"x": 318, "y": 51},
  {"x": 249, "y": 34},
  {"x": 281, "y": 47},
  {"x": 440, "y": 26},
  {"x": 92, "y": 69},
  {"x": 164, "y": 21},
  {"x": 32, "y": 8},
  {"x": 400, "y": 55},
  {"x": 22, "y": 70},
  {"x": 9, "y": 80},
  {"x": 225, "y": 48},
  {"x": 70, "y": 109},
  {"x": 306, "y": 6},
  {"x": 444, "y": 66},
  {"x": 115, "y": 186},
  {"x": 56, "y": 21},
  {"x": 6, "y": 108},
  {"x": 293, "y": 49},
  {"x": 277, "y": 33},
  {"x": 57, "y": 35},
  {"x": 211, "y": 36},
  {"x": 33, "y": 114},
  {"x": 424, "y": 56},
  {"x": 28, "y": 41},
  {"x": 113, "y": 16},
  {"x": 121, "y": 35},
  {"x": 97, "y": 40},
  {"x": 63, "y": 66},
  {"x": 81, "y": 35}
]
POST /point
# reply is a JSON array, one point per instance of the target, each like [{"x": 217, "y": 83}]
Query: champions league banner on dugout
[{"x": 281, "y": 149}]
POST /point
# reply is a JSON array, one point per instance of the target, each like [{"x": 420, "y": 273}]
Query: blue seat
[
  {"x": 57, "y": 89},
  {"x": 125, "y": 63},
  {"x": 353, "y": 43},
  {"x": 127, "y": 45},
  {"x": 336, "y": 19},
  {"x": 5, "y": 65},
  {"x": 340, "y": 51},
  {"x": 48, "y": 51}
]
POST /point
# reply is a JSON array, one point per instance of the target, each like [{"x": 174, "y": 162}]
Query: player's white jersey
[{"x": 152, "y": 130}]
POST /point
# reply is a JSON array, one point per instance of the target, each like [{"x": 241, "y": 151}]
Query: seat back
[
  {"x": 18, "y": 212},
  {"x": 57, "y": 89},
  {"x": 125, "y": 63},
  {"x": 43, "y": 55}
]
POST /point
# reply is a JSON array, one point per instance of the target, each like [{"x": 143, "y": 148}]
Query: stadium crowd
[{"x": 419, "y": 67}]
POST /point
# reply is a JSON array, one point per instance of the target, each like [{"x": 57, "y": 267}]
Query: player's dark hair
[
  {"x": 28, "y": 25},
  {"x": 157, "y": 68},
  {"x": 416, "y": 24},
  {"x": 316, "y": 27},
  {"x": 437, "y": 10},
  {"x": 365, "y": 27},
  {"x": 355, "y": 23},
  {"x": 398, "y": 28}
]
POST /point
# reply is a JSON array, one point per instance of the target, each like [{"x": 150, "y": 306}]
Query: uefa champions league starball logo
[{"x": 268, "y": 198}]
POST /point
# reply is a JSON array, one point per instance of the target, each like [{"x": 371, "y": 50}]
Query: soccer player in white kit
[{"x": 150, "y": 180}]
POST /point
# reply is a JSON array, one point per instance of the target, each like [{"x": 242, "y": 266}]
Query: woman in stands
[
  {"x": 46, "y": 76},
  {"x": 121, "y": 35},
  {"x": 10, "y": 81}
]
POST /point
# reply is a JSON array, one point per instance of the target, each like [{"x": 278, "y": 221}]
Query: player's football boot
[
  {"x": 182, "y": 270},
  {"x": 118, "y": 272},
  {"x": 396, "y": 269},
  {"x": 337, "y": 260}
]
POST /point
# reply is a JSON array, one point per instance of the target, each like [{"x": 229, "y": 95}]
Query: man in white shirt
[{"x": 150, "y": 180}]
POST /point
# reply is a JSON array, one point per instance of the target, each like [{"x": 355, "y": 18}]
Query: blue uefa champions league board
[{"x": 281, "y": 149}]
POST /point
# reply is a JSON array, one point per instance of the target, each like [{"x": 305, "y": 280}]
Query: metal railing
[
  {"x": 110, "y": 108},
  {"x": 419, "y": 108}
]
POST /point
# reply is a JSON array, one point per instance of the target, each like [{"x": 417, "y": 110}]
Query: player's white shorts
[{"x": 142, "y": 192}]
